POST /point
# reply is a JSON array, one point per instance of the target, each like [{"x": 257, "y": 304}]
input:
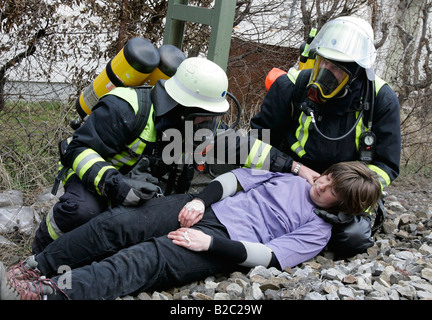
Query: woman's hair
[{"x": 356, "y": 185}]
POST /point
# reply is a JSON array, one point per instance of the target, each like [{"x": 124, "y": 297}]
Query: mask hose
[{"x": 308, "y": 108}]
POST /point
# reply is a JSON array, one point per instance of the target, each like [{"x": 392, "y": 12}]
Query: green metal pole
[{"x": 220, "y": 18}]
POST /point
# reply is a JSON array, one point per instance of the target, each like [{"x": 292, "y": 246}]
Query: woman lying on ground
[{"x": 241, "y": 219}]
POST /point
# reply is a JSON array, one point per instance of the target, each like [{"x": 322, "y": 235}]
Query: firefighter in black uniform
[
  {"x": 337, "y": 111},
  {"x": 116, "y": 156}
]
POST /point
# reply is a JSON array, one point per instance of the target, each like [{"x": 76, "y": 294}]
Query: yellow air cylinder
[
  {"x": 170, "y": 59},
  {"x": 130, "y": 67},
  {"x": 306, "y": 59}
]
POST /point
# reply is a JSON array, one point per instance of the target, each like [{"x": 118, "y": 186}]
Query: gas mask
[
  {"x": 199, "y": 135},
  {"x": 330, "y": 79},
  {"x": 207, "y": 122}
]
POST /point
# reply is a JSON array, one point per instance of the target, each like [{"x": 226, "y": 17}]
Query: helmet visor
[{"x": 329, "y": 77}]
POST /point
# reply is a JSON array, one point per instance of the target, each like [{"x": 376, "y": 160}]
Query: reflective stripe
[
  {"x": 137, "y": 146},
  {"x": 149, "y": 132},
  {"x": 125, "y": 158},
  {"x": 383, "y": 176},
  {"x": 378, "y": 84},
  {"x": 68, "y": 174},
  {"x": 257, "y": 155},
  {"x": 53, "y": 230},
  {"x": 263, "y": 155},
  {"x": 293, "y": 74},
  {"x": 99, "y": 177},
  {"x": 302, "y": 134},
  {"x": 84, "y": 161},
  {"x": 252, "y": 153},
  {"x": 360, "y": 128},
  {"x": 127, "y": 94}
]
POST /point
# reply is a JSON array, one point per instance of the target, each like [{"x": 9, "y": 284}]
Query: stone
[
  {"x": 314, "y": 296},
  {"x": 426, "y": 273}
]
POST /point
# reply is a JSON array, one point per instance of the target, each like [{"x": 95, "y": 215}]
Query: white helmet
[
  {"x": 347, "y": 39},
  {"x": 201, "y": 83}
]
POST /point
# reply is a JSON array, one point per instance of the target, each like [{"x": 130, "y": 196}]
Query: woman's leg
[
  {"x": 75, "y": 207},
  {"x": 111, "y": 231},
  {"x": 151, "y": 265}
]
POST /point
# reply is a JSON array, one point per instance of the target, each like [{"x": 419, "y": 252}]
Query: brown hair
[{"x": 356, "y": 186}]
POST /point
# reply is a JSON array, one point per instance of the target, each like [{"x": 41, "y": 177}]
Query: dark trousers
[
  {"x": 125, "y": 250},
  {"x": 75, "y": 207}
]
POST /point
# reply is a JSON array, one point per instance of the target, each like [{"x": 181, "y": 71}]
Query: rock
[
  {"x": 426, "y": 273},
  {"x": 254, "y": 292},
  {"x": 222, "y": 296},
  {"x": 234, "y": 290},
  {"x": 315, "y": 296}
]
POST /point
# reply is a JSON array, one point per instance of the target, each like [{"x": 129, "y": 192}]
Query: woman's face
[{"x": 323, "y": 194}]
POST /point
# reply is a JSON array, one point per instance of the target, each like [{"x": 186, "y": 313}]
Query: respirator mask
[{"x": 330, "y": 79}]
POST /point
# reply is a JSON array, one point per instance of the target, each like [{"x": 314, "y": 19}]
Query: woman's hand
[
  {"x": 307, "y": 173},
  {"x": 191, "y": 213},
  {"x": 191, "y": 239}
]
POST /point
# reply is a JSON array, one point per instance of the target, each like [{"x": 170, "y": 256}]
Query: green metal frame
[{"x": 220, "y": 18}]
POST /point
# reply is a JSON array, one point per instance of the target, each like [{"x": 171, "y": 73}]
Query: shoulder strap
[
  {"x": 141, "y": 117},
  {"x": 299, "y": 93},
  {"x": 379, "y": 83}
]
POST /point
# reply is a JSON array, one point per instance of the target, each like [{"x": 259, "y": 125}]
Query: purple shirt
[{"x": 274, "y": 209}]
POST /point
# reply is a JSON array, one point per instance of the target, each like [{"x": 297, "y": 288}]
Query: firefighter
[
  {"x": 338, "y": 110},
  {"x": 114, "y": 157}
]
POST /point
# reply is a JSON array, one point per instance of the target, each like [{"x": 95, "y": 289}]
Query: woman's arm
[
  {"x": 220, "y": 188},
  {"x": 244, "y": 253}
]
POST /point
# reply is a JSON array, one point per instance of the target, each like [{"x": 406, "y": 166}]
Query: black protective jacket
[
  {"x": 106, "y": 147},
  {"x": 292, "y": 132}
]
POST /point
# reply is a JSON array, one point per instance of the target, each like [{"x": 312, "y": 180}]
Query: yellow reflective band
[
  {"x": 302, "y": 135},
  {"x": 137, "y": 146},
  {"x": 293, "y": 74},
  {"x": 378, "y": 84},
  {"x": 263, "y": 156},
  {"x": 68, "y": 174},
  {"x": 127, "y": 94},
  {"x": 383, "y": 176},
  {"x": 149, "y": 132},
  {"x": 360, "y": 128},
  {"x": 99, "y": 177},
  {"x": 252, "y": 153},
  {"x": 84, "y": 161},
  {"x": 51, "y": 231},
  {"x": 125, "y": 158}
]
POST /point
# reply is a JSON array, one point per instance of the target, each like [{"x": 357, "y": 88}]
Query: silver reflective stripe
[
  {"x": 89, "y": 157},
  {"x": 53, "y": 229}
]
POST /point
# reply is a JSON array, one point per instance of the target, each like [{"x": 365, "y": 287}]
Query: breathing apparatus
[
  {"x": 138, "y": 63},
  {"x": 341, "y": 48},
  {"x": 306, "y": 60}
]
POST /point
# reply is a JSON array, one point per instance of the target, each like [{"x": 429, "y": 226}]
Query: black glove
[
  {"x": 335, "y": 219},
  {"x": 141, "y": 172},
  {"x": 138, "y": 185},
  {"x": 350, "y": 234}
]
